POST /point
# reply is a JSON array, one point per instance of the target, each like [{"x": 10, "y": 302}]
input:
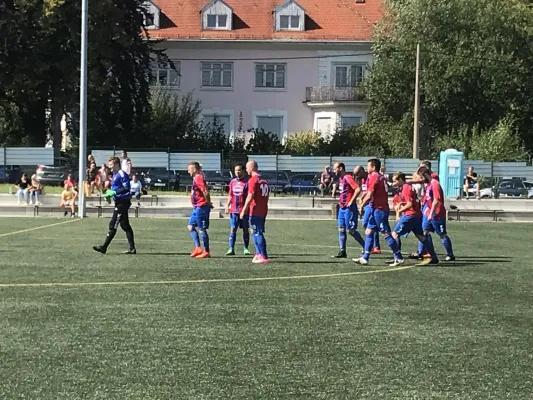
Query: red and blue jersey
[
  {"x": 238, "y": 191},
  {"x": 259, "y": 189},
  {"x": 347, "y": 186},
  {"x": 197, "y": 194},
  {"x": 378, "y": 185},
  {"x": 408, "y": 195},
  {"x": 434, "y": 192}
]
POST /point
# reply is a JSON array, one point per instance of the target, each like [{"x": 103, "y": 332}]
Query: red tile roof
[{"x": 326, "y": 20}]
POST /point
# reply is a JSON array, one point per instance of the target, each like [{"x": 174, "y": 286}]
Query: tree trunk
[{"x": 56, "y": 114}]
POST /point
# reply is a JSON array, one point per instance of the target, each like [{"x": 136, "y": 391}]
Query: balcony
[{"x": 318, "y": 95}]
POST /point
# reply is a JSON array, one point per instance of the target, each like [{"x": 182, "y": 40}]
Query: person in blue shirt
[{"x": 120, "y": 192}]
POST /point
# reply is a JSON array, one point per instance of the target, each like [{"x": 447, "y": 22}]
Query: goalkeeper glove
[{"x": 109, "y": 193}]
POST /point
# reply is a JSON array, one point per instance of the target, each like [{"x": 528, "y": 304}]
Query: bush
[
  {"x": 263, "y": 142},
  {"x": 305, "y": 143}
]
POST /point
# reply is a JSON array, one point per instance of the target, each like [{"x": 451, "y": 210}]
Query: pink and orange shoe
[
  {"x": 376, "y": 251},
  {"x": 197, "y": 251},
  {"x": 258, "y": 259},
  {"x": 204, "y": 254}
]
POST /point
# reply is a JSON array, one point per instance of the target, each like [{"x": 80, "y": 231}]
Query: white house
[{"x": 285, "y": 65}]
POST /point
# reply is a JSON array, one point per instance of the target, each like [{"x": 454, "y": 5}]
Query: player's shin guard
[
  {"x": 232, "y": 239},
  {"x": 393, "y": 244},
  {"x": 131, "y": 239},
  {"x": 195, "y": 237},
  {"x": 428, "y": 246},
  {"x": 110, "y": 235},
  {"x": 262, "y": 245},
  {"x": 376, "y": 240},
  {"x": 369, "y": 243},
  {"x": 246, "y": 238},
  {"x": 205, "y": 240},
  {"x": 447, "y": 243},
  {"x": 257, "y": 249},
  {"x": 342, "y": 240},
  {"x": 357, "y": 236}
]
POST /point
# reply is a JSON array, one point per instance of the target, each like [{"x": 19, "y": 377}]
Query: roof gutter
[{"x": 287, "y": 41}]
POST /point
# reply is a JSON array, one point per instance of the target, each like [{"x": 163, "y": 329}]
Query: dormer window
[
  {"x": 151, "y": 15},
  {"x": 217, "y": 15},
  {"x": 289, "y": 16},
  {"x": 217, "y": 21}
]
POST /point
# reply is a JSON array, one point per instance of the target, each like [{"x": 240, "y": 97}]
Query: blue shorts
[
  {"x": 347, "y": 218},
  {"x": 200, "y": 217},
  {"x": 408, "y": 224},
  {"x": 379, "y": 221},
  {"x": 367, "y": 213},
  {"x": 435, "y": 225},
  {"x": 257, "y": 224},
  {"x": 235, "y": 222}
]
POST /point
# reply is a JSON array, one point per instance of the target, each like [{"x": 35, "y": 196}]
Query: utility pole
[{"x": 416, "y": 123}]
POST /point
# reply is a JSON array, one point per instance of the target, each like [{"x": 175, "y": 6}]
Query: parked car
[
  {"x": 509, "y": 187},
  {"x": 54, "y": 174},
  {"x": 305, "y": 183},
  {"x": 159, "y": 178},
  {"x": 10, "y": 173},
  {"x": 279, "y": 181},
  {"x": 218, "y": 180}
]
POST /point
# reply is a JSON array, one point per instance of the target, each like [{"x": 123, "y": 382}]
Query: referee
[{"x": 120, "y": 192}]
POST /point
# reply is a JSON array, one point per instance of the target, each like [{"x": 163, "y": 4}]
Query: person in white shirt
[
  {"x": 126, "y": 163},
  {"x": 135, "y": 187}
]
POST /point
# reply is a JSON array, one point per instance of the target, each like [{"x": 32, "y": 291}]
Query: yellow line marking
[
  {"x": 38, "y": 227},
  {"x": 258, "y": 279}
]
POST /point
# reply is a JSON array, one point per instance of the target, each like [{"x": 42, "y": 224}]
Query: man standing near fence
[
  {"x": 201, "y": 203},
  {"x": 237, "y": 193}
]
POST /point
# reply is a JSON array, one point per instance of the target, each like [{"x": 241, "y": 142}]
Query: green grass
[{"x": 459, "y": 331}]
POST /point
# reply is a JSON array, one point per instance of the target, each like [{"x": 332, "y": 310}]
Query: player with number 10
[{"x": 257, "y": 203}]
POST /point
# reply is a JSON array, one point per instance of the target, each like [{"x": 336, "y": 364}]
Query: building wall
[{"x": 302, "y": 70}]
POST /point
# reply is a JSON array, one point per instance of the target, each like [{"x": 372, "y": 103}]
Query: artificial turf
[{"x": 458, "y": 331}]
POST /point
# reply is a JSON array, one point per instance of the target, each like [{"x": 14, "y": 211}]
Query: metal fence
[{"x": 22, "y": 156}]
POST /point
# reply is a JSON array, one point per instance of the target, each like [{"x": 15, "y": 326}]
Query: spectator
[
  {"x": 383, "y": 171},
  {"x": 68, "y": 199},
  {"x": 35, "y": 190},
  {"x": 102, "y": 178},
  {"x": 471, "y": 183},
  {"x": 90, "y": 182},
  {"x": 90, "y": 159},
  {"x": 136, "y": 188},
  {"x": 71, "y": 183},
  {"x": 126, "y": 163},
  {"x": 22, "y": 189},
  {"x": 326, "y": 181}
]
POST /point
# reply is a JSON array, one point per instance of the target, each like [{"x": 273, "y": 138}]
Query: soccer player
[
  {"x": 257, "y": 205},
  {"x": 408, "y": 208},
  {"x": 348, "y": 212},
  {"x": 201, "y": 203},
  {"x": 377, "y": 193},
  {"x": 396, "y": 206},
  {"x": 362, "y": 176},
  {"x": 238, "y": 191},
  {"x": 435, "y": 212},
  {"x": 120, "y": 192}
]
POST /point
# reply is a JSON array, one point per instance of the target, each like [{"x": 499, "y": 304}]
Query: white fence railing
[{"x": 33, "y": 156}]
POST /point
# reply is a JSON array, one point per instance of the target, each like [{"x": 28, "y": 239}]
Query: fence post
[
  {"x": 330, "y": 159},
  {"x": 277, "y": 164},
  {"x": 491, "y": 169}
]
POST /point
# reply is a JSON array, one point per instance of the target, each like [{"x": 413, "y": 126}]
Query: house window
[
  {"x": 324, "y": 125},
  {"x": 165, "y": 76},
  {"x": 270, "y": 75},
  {"x": 348, "y": 75},
  {"x": 149, "y": 19},
  {"x": 221, "y": 120},
  {"x": 217, "y": 21},
  {"x": 217, "y": 74},
  {"x": 348, "y": 122},
  {"x": 289, "y": 22},
  {"x": 271, "y": 124}
]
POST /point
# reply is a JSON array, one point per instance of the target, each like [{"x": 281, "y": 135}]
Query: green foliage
[
  {"x": 263, "y": 142},
  {"x": 308, "y": 143},
  {"x": 477, "y": 59}
]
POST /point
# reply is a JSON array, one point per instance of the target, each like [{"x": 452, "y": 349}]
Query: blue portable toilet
[{"x": 451, "y": 172}]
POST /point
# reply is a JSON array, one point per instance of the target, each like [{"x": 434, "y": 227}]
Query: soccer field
[{"x": 159, "y": 325}]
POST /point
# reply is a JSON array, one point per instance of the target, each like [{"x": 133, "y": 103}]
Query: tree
[
  {"x": 477, "y": 58},
  {"x": 305, "y": 143},
  {"x": 263, "y": 142}
]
